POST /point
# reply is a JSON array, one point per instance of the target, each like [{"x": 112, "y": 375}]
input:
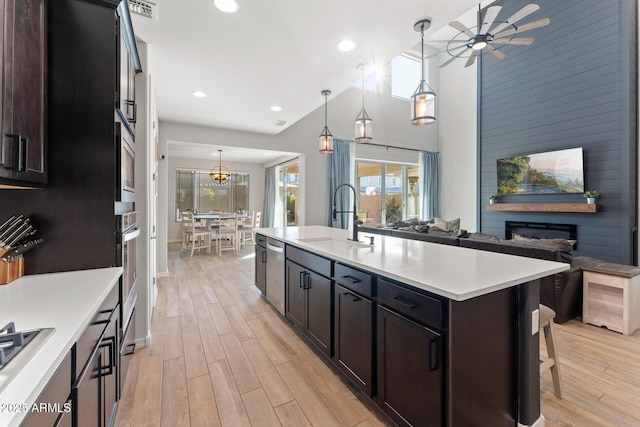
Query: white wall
[{"x": 256, "y": 187}]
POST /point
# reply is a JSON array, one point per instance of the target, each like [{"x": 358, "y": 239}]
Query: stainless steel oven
[
  {"x": 125, "y": 180},
  {"x": 126, "y": 258}
]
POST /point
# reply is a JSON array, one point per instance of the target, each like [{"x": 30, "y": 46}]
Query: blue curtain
[
  {"x": 269, "y": 208},
  {"x": 430, "y": 185},
  {"x": 340, "y": 173}
]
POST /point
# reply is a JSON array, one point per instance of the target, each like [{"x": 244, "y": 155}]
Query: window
[
  {"x": 194, "y": 190},
  {"x": 387, "y": 191},
  {"x": 405, "y": 75},
  {"x": 288, "y": 208}
]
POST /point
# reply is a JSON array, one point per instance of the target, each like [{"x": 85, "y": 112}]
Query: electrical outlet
[{"x": 535, "y": 321}]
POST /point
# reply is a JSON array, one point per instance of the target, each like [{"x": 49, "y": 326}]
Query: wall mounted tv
[{"x": 559, "y": 172}]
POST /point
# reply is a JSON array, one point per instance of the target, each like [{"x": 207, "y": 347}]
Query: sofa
[{"x": 562, "y": 292}]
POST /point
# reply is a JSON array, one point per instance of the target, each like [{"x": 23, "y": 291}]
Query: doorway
[{"x": 288, "y": 205}]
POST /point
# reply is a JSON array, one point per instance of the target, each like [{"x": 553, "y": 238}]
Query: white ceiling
[
  {"x": 194, "y": 150},
  {"x": 272, "y": 52}
]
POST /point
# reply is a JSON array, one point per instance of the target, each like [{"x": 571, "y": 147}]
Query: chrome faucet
[{"x": 356, "y": 221}]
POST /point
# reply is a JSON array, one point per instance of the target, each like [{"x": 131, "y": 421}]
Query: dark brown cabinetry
[
  {"x": 128, "y": 66},
  {"x": 261, "y": 263},
  {"x": 308, "y": 297},
  {"x": 55, "y": 400},
  {"x": 127, "y": 350},
  {"x": 23, "y": 43},
  {"x": 353, "y": 348}
]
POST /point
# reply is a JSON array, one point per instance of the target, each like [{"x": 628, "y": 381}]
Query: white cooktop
[{"x": 450, "y": 271}]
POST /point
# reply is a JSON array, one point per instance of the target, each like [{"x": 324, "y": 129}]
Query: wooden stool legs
[{"x": 552, "y": 361}]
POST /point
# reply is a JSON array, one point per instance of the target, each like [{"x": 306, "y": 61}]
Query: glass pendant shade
[
  {"x": 219, "y": 174},
  {"x": 363, "y": 124},
  {"x": 423, "y": 105},
  {"x": 423, "y": 100},
  {"x": 363, "y": 127},
  {"x": 326, "y": 139}
]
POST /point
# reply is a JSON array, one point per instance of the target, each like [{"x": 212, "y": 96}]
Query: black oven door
[{"x": 125, "y": 181}]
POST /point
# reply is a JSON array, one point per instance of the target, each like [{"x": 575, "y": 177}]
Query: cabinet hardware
[
  {"x": 130, "y": 352},
  {"x": 434, "y": 354},
  {"x": 107, "y": 369},
  {"x": 403, "y": 302},
  {"x": 23, "y": 148},
  {"x": 302, "y": 279},
  {"x": 351, "y": 279},
  {"x": 353, "y": 297},
  {"x": 264, "y": 257},
  {"x": 307, "y": 280},
  {"x": 11, "y": 151},
  {"x": 130, "y": 103}
]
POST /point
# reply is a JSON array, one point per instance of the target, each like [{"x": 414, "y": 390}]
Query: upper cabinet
[
  {"x": 23, "y": 156},
  {"x": 128, "y": 66}
]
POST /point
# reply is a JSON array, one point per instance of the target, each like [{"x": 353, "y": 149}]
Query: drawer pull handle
[
  {"x": 264, "y": 257},
  {"x": 307, "y": 280},
  {"x": 405, "y": 303},
  {"x": 352, "y": 279},
  {"x": 130, "y": 352},
  {"x": 353, "y": 297},
  {"x": 434, "y": 354}
]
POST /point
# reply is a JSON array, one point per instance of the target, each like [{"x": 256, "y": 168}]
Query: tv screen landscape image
[{"x": 551, "y": 172}]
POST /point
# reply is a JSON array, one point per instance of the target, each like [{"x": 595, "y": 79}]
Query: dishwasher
[{"x": 275, "y": 273}]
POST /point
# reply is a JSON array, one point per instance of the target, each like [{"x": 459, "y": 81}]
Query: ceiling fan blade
[
  {"x": 525, "y": 11},
  {"x": 525, "y": 27},
  {"x": 449, "y": 61},
  {"x": 521, "y": 41},
  {"x": 471, "y": 59},
  {"x": 490, "y": 15},
  {"x": 460, "y": 27},
  {"x": 446, "y": 41},
  {"x": 497, "y": 55}
]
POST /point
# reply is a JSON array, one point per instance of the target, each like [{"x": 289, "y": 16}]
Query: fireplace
[{"x": 541, "y": 230}]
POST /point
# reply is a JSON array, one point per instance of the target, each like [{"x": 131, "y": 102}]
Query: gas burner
[{"x": 11, "y": 342}]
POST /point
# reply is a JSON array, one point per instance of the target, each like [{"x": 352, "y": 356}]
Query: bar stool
[{"x": 552, "y": 361}]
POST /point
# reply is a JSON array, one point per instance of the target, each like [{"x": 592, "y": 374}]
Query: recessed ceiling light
[
  {"x": 199, "y": 94},
  {"x": 227, "y": 6},
  {"x": 276, "y": 108},
  {"x": 346, "y": 45}
]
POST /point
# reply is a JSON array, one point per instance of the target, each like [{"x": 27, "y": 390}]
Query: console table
[{"x": 612, "y": 296}]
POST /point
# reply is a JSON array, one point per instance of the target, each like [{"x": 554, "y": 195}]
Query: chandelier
[{"x": 219, "y": 174}]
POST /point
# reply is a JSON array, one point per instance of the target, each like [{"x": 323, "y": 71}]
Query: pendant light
[
  {"x": 219, "y": 174},
  {"x": 363, "y": 124},
  {"x": 326, "y": 139},
  {"x": 423, "y": 100}
]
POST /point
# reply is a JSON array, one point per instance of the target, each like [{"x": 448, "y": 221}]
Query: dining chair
[
  {"x": 195, "y": 234},
  {"x": 246, "y": 229},
  {"x": 227, "y": 234}
]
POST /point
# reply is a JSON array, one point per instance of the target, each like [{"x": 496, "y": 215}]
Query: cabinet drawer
[
  {"x": 420, "y": 307},
  {"x": 55, "y": 396},
  {"x": 353, "y": 279},
  {"x": 308, "y": 260}
]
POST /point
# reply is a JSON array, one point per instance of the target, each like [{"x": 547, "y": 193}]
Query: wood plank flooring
[{"x": 221, "y": 356}]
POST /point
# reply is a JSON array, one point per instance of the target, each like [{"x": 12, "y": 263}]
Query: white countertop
[
  {"x": 450, "y": 271},
  {"x": 64, "y": 301}
]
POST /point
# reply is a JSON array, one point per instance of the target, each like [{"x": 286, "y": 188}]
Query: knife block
[{"x": 10, "y": 271}]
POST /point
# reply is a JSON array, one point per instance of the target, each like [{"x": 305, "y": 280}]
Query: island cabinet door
[
  {"x": 354, "y": 337},
  {"x": 295, "y": 302},
  {"x": 319, "y": 311},
  {"x": 410, "y": 375}
]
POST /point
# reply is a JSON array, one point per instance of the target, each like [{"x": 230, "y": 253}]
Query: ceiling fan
[{"x": 467, "y": 44}]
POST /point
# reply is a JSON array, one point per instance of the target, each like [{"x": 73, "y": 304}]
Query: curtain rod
[
  {"x": 286, "y": 161},
  {"x": 397, "y": 148}
]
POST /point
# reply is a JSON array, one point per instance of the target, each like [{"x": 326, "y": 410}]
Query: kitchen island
[
  {"x": 433, "y": 334},
  {"x": 62, "y": 303}
]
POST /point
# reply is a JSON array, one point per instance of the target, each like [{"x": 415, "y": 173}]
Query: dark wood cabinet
[
  {"x": 127, "y": 350},
  {"x": 56, "y": 407},
  {"x": 353, "y": 348},
  {"x": 128, "y": 66},
  {"x": 261, "y": 264},
  {"x": 410, "y": 372},
  {"x": 23, "y": 156},
  {"x": 309, "y": 304}
]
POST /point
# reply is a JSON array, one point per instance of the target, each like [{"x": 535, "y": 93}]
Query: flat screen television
[{"x": 542, "y": 173}]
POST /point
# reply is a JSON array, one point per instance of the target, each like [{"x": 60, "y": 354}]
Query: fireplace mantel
[{"x": 544, "y": 207}]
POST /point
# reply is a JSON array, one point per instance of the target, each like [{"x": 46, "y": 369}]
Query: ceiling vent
[
  {"x": 144, "y": 8},
  {"x": 280, "y": 123}
]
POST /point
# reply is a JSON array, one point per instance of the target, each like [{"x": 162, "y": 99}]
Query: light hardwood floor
[{"x": 221, "y": 356}]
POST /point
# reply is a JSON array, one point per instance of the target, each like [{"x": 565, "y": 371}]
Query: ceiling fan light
[
  {"x": 423, "y": 105},
  {"x": 479, "y": 45}
]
